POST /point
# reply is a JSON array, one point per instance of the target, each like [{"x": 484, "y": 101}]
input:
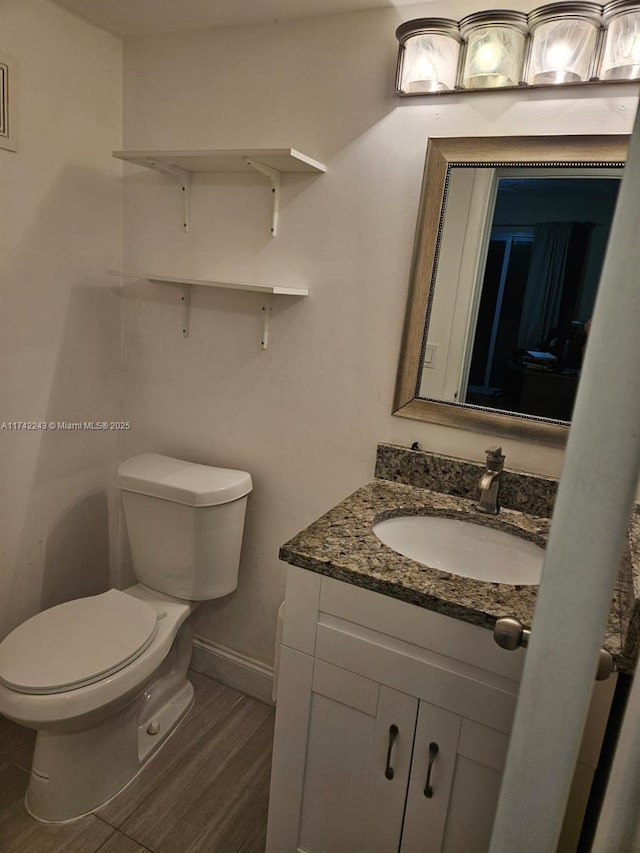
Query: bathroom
[{"x": 305, "y": 415}]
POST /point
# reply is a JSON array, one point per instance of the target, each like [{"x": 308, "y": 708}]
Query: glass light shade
[
  {"x": 621, "y": 56},
  {"x": 428, "y": 56},
  {"x": 495, "y": 49},
  {"x": 564, "y": 38}
]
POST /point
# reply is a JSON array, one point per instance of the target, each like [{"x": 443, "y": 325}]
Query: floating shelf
[
  {"x": 185, "y": 284},
  {"x": 270, "y": 162},
  {"x": 203, "y": 282},
  {"x": 218, "y": 160}
]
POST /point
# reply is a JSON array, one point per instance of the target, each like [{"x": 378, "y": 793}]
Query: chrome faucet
[{"x": 490, "y": 481}]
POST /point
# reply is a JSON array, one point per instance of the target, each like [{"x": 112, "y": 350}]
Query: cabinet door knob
[
  {"x": 393, "y": 734},
  {"x": 434, "y": 749}
]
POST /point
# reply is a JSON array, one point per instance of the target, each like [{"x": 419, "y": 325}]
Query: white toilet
[{"x": 103, "y": 679}]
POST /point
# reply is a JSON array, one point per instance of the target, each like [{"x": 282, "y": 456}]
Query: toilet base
[{"x": 75, "y": 772}]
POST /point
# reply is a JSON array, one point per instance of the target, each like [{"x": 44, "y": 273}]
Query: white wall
[
  {"x": 60, "y": 228},
  {"x": 303, "y": 417}
]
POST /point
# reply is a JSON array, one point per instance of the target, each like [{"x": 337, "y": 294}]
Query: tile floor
[{"x": 206, "y": 791}]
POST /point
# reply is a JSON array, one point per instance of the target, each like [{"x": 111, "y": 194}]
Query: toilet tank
[{"x": 185, "y": 523}]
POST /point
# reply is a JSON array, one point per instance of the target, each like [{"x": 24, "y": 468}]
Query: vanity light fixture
[
  {"x": 428, "y": 56},
  {"x": 563, "y": 42},
  {"x": 495, "y": 48},
  {"x": 569, "y": 42},
  {"x": 621, "y": 55}
]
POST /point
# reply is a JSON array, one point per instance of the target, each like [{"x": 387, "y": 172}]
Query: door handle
[
  {"x": 393, "y": 734},
  {"x": 509, "y": 633},
  {"x": 434, "y": 749}
]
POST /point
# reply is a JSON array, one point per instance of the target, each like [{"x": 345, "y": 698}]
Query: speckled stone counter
[
  {"x": 528, "y": 493},
  {"x": 343, "y": 546}
]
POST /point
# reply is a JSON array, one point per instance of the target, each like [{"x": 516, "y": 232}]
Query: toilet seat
[{"x": 77, "y": 643}]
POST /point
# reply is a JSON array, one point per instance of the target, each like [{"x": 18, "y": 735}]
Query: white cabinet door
[
  {"x": 475, "y": 788},
  {"x": 359, "y": 746},
  {"x": 454, "y": 784},
  {"x": 432, "y": 771},
  {"x": 388, "y": 775}
]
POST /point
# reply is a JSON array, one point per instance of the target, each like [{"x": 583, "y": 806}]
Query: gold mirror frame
[{"x": 442, "y": 155}]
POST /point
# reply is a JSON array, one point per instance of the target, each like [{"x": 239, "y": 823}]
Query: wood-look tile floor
[{"x": 206, "y": 791}]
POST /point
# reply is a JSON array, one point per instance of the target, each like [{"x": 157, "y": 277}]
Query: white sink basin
[{"x": 462, "y": 548}]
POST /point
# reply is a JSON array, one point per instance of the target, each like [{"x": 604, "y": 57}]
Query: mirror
[{"x": 509, "y": 245}]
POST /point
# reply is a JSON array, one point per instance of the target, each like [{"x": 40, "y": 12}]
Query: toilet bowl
[
  {"x": 103, "y": 679},
  {"x": 95, "y": 729}
]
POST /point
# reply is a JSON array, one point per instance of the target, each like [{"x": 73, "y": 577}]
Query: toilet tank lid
[{"x": 183, "y": 482}]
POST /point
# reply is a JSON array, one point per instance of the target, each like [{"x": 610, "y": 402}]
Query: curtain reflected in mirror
[{"x": 538, "y": 293}]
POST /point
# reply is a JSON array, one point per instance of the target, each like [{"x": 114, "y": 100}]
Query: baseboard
[{"x": 233, "y": 668}]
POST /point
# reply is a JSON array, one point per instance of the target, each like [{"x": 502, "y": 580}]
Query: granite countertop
[{"x": 341, "y": 544}]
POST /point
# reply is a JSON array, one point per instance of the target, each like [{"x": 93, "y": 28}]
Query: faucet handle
[{"x": 494, "y": 453}]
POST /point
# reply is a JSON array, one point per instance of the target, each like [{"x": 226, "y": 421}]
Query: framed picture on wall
[{"x": 8, "y": 103}]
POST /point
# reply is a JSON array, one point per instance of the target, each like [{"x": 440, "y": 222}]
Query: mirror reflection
[
  {"x": 540, "y": 252},
  {"x": 510, "y": 243}
]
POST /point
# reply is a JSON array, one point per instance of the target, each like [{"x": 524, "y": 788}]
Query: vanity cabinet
[
  {"x": 387, "y": 772},
  {"x": 392, "y": 727}
]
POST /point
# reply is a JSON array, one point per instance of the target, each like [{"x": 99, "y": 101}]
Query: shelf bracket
[
  {"x": 276, "y": 179},
  {"x": 184, "y": 179},
  {"x": 185, "y": 302},
  {"x": 266, "y": 314}
]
